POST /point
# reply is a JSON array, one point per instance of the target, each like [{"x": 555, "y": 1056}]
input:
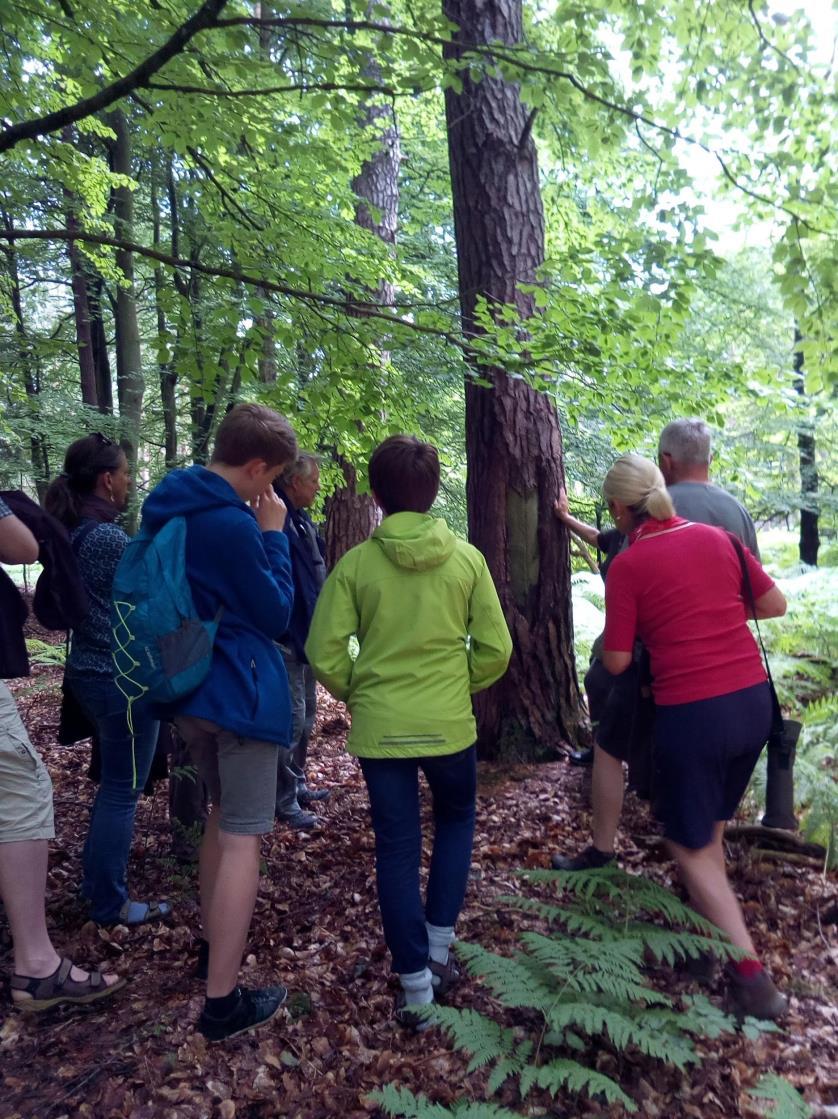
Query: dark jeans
[
  {"x": 393, "y": 785},
  {"x": 126, "y": 760}
]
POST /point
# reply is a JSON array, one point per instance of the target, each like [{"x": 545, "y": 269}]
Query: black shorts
[
  {"x": 618, "y": 713},
  {"x": 705, "y": 753}
]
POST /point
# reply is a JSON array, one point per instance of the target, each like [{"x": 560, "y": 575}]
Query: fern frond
[
  {"x": 672, "y": 946},
  {"x": 624, "y": 1030},
  {"x": 478, "y": 1035},
  {"x": 593, "y": 968},
  {"x": 512, "y": 979},
  {"x": 402, "y": 1102},
  {"x": 569, "y": 1074},
  {"x": 786, "y": 1101}
]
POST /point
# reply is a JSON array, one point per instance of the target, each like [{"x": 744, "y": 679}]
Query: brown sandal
[
  {"x": 59, "y": 988},
  {"x": 449, "y": 976}
]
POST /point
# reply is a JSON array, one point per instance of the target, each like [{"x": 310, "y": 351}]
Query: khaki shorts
[
  {"x": 25, "y": 786},
  {"x": 240, "y": 774}
]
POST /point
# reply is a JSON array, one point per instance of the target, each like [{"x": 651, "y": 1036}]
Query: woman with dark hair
[
  {"x": 680, "y": 588},
  {"x": 87, "y": 497}
]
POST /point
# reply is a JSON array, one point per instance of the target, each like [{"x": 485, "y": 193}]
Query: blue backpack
[{"x": 162, "y": 650}]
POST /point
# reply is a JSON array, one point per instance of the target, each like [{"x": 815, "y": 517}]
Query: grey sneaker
[
  {"x": 300, "y": 821},
  {"x": 755, "y": 997},
  {"x": 254, "y": 1008}
]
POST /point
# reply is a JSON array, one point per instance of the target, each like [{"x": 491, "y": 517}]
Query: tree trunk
[
  {"x": 99, "y": 340},
  {"x": 129, "y": 366},
  {"x": 81, "y": 307},
  {"x": 513, "y": 440},
  {"x": 810, "y": 540},
  {"x": 165, "y": 368},
  {"x": 29, "y": 372},
  {"x": 352, "y": 516}
]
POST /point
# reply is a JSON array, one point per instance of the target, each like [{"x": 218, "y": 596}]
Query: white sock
[
  {"x": 417, "y": 987},
  {"x": 439, "y": 939}
]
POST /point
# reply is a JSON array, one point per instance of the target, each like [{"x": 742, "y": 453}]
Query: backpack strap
[{"x": 82, "y": 534}]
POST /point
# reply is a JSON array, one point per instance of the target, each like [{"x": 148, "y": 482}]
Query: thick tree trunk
[
  {"x": 129, "y": 368},
  {"x": 101, "y": 358},
  {"x": 352, "y": 516},
  {"x": 513, "y": 440},
  {"x": 810, "y": 540}
]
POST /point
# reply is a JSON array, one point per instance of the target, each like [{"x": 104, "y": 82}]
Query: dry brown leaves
[{"x": 316, "y": 929}]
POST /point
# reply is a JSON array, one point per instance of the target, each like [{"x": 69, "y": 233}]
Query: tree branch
[
  {"x": 766, "y": 42},
  {"x": 295, "y": 87},
  {"x": 236, "y": 274},
  {"x": 204, "y": 18}
]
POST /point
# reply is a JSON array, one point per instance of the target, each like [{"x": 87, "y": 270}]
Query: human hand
[
  {"x": 270, "y": 510},
  {"x": 560, "y": 505}
]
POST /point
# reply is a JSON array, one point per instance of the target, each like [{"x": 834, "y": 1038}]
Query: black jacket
[{"x": 305, "y": 545}]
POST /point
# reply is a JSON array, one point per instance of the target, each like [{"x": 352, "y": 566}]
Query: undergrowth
[{"x": 580, "y": 976}]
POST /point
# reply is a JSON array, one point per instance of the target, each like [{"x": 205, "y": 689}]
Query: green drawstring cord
[{"x": 124, "y": 609}]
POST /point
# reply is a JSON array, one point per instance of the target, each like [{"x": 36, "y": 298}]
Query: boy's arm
[
  {"x": 17, "y": 544},
  {"x": 491, "y": 645},
  {"x": 335, "y": 621},
  {"x": 256, "y": 578}
]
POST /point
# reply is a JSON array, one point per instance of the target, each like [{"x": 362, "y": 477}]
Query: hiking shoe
[
  {"x": 300, "y": 821},
  {"x": 581, "y": 757},
  {"x": 589, "y": 859},
  {"x": 306, "y": 796},
  {"x": 254, "y": 1008},
  {"x": 444, "y": 976},
  {"x": 755, "y": 996},
  {"x": 703, "y": 968},
  {"x": 407, "y": 1017}
]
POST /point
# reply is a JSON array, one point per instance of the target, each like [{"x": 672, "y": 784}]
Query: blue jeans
[
  {"x": 126, "y": 761},
  {"x": 393, "y": 785}
]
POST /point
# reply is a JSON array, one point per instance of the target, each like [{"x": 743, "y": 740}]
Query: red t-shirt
[{"x": 678, "y": 587}]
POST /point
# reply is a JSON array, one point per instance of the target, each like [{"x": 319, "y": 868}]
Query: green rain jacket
[{"x": 431, "y": 631}]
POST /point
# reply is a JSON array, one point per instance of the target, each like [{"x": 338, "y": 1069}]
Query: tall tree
[
  {"x": 809, "y": 535},
  {"x": 513, "y": 440}
]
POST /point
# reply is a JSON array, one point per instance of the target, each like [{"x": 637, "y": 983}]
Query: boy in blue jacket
[{"x": 236, "y": 559}]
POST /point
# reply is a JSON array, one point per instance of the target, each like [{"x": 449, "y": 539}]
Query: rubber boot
[{"x": 779, "y": 784}]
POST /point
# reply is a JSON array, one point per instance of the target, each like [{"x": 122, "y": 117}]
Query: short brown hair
[
  {"x": 404, "y": 474},
  {"x": 250, "y": 431}
]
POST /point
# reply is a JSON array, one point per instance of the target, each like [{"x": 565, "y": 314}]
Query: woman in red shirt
[{"x": 678, "y": 587}]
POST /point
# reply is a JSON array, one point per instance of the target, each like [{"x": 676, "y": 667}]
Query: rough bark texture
[
  {"x": 165, "y": 365},
  {"x": 810, "y": 540},
  {"x": 129, "y": 368},
  {"x": 81, "y": 308},
  {"x": 352, "y": 516},
  {"x": 513, "y": 439}
]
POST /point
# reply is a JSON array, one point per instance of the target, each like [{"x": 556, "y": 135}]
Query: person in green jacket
[{"x": 431, "y": 632}]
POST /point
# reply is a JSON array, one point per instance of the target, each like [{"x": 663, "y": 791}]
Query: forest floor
[{"x": 316, "y": 929}]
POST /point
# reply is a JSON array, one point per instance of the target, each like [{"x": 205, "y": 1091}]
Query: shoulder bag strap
[{"x": 750, "y": 601}]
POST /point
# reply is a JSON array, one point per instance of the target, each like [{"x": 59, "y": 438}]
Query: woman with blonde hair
[{"x": 679, "y": 588}]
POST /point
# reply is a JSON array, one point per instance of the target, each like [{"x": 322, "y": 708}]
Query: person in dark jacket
[
  {"x": 236, "y": 561},
  {"x": 41, "y": 979},
  {"x": 298, "y": 486},
  {"x": 87, "y": 498}
]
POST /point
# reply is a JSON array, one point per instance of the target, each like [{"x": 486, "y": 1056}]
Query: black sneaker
[
  {"x": 589, "y": 859},
  {"x": 312, "y": 796},
  {"x": 581, "y": 757},
  {"x": 253, "y": 1009},
  {"x": 300, "y": 821}
]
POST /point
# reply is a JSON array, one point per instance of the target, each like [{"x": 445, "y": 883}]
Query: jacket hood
[
  {"x": 194, "y": 490},
  {"x": 415, "y": 541}
]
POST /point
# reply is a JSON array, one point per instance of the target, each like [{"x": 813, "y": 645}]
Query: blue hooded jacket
[{"x": 231, "y": 563}]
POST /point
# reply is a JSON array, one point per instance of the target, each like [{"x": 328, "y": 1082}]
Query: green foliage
[
  {"x": 585, "y": 978},
  {"x": 44, "y": 654},
  {"x": 785, "y": 1102}
]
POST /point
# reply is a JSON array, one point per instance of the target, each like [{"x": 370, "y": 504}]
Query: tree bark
[
  {"x": 351, "y": 517},
  {"x": 810, "y": 540},
  {"x": 167, "y": 375},
  {"x": 81, "y": 307},
  {"x": 129, "y": 362},
  {"x": 30, "y": 373},
  {"x": 513, "y": 439}
]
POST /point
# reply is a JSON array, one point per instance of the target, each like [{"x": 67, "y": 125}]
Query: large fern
[
  {"x": 583, "y": 978},
  {"x": 784, "y": 1099}
]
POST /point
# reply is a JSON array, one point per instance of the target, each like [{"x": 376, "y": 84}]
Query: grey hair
[
  {"x": 687, "y": 441},
  {"x": 303, "y": 464},
  {"x": 639, "y": 484}
]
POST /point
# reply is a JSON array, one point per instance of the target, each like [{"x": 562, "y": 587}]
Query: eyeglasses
[{"x": 103, "y": 440}]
